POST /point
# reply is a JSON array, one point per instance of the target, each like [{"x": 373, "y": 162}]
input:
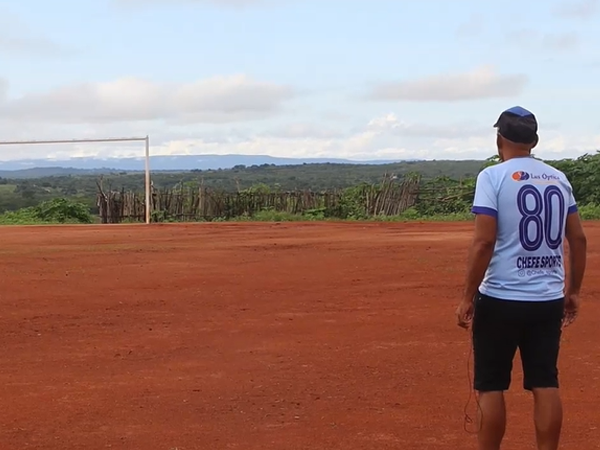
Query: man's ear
[
  {"x": 499, "y": 141},
  {"x": 499, "y": 144},
  {"x": 535, "y": 143}
]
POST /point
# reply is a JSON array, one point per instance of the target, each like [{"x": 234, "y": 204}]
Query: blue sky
[{"x": 359, "y": 79}]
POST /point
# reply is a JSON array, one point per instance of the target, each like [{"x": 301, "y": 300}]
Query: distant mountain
[
  {"x": 40, "y": 172},
  {"x": 35, "y": 168}
]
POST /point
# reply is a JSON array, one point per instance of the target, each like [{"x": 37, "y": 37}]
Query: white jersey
[{"x": 531, "y": 201}]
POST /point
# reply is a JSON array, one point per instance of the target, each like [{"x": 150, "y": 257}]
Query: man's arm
[
  {"x": 485, "y": 206},
  {"x": 480, "y": 253},
  {"x": 577, "y": 252}
]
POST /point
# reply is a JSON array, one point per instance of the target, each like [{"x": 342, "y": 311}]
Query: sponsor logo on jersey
[
  {"x": 520, "y": 176},
  {"x": 543, "y": 178}
]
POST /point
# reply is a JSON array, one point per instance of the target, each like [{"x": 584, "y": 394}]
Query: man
[{"x": 515, "y": 295}]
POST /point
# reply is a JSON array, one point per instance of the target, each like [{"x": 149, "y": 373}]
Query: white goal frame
[{"x": 146, "y": 140}]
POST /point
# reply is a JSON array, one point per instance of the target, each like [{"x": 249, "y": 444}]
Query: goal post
[{"x": 146, "y": 141}]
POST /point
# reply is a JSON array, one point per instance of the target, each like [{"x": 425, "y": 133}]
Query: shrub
[{"x": 58, "y": 210}]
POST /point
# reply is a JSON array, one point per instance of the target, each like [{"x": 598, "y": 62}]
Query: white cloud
[
  {"x": 30, "y": 45},
  {"x": 3, "y": 90},
  {"x": 219, "y": 99},
  {"x": 474, "y": 26},
  {"x": 224, "y": 3},
  {"x": 482, "y": 83},
  {"x": 583, "y": 9},
  {"x": 305, "y": 130},
  {"x": 553, "y": 145},
  {"x": 594, "y": 64},
  {"x": 18, "y": 39},
  {"x": 533, "y": 40},
  {"x": 561, "y": 41},
  {"x": 390, "y": 123},
  {"x": 378, "y": 144},
  {"x": 385, "y": 137}
]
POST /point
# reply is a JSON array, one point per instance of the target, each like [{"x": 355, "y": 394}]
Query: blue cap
[{"x": 518, "y": 125}]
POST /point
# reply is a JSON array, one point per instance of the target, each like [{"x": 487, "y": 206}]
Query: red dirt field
[{"x": 255, "y": 336}]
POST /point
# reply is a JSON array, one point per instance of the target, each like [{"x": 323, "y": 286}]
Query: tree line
[
  {"x": 21, "y": 193},
  {"x": 446, "y": 187}
]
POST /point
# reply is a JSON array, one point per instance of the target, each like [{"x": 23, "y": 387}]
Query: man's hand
[
  {"x": 464, "y": 313},
  {"x": 572, "y": 303},
  {"x": 578, "y": 259}
]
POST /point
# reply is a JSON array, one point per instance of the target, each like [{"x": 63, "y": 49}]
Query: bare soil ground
[{"x": 255, "y": 337}]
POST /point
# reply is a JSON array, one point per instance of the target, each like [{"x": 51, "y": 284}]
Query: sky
[{"x": 356, "y": 79}]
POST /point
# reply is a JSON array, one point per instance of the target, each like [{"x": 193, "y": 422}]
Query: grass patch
[
  {"x": 590, "y": 212},
  {"x": 25, "y": 216},
  {"x": 56, "y": 211},
  {"x": 62, "y": 211},
  {"x": 411, "y": 215}
]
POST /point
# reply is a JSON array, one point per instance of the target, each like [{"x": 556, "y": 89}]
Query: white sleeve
[
  {"x": 486, "y": 197},
  {"x": 572, "y": 202}
]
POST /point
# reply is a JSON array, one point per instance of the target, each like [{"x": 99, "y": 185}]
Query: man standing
[{"x": 515, "y": 295}]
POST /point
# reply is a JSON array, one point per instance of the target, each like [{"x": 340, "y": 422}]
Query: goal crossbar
[{"x": 146, "y": 140}]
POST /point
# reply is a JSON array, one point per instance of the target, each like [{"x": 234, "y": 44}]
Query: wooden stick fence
[{"x": 391, "y": 197}]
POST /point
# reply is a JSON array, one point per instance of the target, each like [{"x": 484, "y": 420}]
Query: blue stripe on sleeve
[
  {"x": 484, "y": 210},
  {"x": 572, "y": 209}
]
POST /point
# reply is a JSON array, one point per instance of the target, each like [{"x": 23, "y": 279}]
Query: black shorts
[{"x": 502, "y": 326}]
